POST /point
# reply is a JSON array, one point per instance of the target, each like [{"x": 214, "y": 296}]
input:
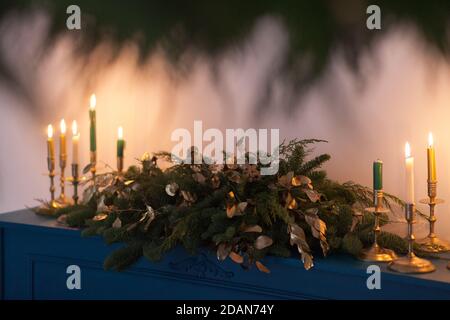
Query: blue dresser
[{"x": 36, "y": 253}]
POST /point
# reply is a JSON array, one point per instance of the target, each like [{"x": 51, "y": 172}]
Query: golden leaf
[
  {"x": 128, "y": 182},
  {"x": 291, "y": 203},
  {"x": 231, "y": 194},
  {"x": 145, "y": 157},
  {"x": 236, "y": 257},
  {"x": 318, "y": 228},
  {"x": 262, "y": 267},
  {"x": 298, "y": 238},
  {"x": 231, "y": 210},
  {"x": 263, "y": 242},
  {"x": 300, "y": 180},
  {"x": 285, "y": 181}
]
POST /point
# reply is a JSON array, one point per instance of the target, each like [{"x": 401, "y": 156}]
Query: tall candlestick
[
  {"x": 120, "y": 147},
  {"x": 431, "y": 159},
  {"x": 409, "y": 165},
  {"x": 51, "y": 163},
  {"x": 62, "y": 161},
  {"x": 75, "y": 141},
  {"x": 378, "y": 175}
]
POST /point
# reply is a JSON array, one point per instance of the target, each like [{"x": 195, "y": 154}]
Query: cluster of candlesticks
[
  {"x": 430, "y": 244},
  {"x": 62, "y": 200}
]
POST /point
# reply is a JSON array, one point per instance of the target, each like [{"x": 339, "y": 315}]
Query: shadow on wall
[{"x": 404, "y": 95}]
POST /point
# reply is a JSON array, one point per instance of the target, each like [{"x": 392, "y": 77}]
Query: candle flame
[
  {"x": 430, "y": 140},
  {"x": 93, "y": 102},
  {"x": 74, "y": 128},
  {"x": 50, "y": 131},
  {"x": 407, "y": 150},
  {"x": 120, "y": 133},
  {"x": 63, "y": 126}
]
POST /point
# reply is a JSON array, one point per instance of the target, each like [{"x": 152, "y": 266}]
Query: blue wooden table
[{"x": 36, "y": 252}]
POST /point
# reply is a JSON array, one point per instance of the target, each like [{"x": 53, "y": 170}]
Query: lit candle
[
  {"x": 431, "y": 159},
  {"x": 75, "y": 139},
  {"x": 50, "y": 145},
  {"x": 378, "y": 175},
  {"x": 120, "y": 143},
  {"x": 409, "y": 164},
  {"x": 93, "y": 139},
  {"x": 62, "y": 141}
]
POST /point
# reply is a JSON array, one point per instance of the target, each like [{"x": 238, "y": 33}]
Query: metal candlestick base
[
  {"x": 410, "y": 263},
  {"x": 375, "y": 253},
  {"x": 432, "y": 243}
]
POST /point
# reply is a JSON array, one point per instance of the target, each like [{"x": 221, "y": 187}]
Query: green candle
[
  {"x": 93, "y": 138},
  {"x": 378, "y": 175},
  {"x": 120, "y": 143}
]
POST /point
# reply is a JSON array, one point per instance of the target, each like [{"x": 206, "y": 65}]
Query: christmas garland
[{"x": 232, "y": 209}]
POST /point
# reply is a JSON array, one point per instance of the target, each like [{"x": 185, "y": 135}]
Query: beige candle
[
  {"x": 62, "y": 141},
  {"x": 75, "y": 141},
  {"x": 409, "y": 165}
]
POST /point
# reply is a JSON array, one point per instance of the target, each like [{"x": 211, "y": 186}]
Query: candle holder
[
  {"x": 75, "y": 182},
  {"x": 119, "y": 164},
  {"x": 375, "y": 253},
  {"x": 432, "y": 243},
  {"x": 93, "y": 164},
  {"x": 51, "y": 174},
  {"x": 62, "y": 200},
  {"x": 411, "y": 263}
]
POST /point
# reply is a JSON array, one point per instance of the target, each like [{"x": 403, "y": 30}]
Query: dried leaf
[
  {"x": 88, "y": 193},
  {"x": 234, "y": 177},
  {"x": 254, "y": 228},
  {"x": 356, "y": 220},
  {"x": 231, "y": 210},
  {"x": 300, "y": 180},
  {"x": 117, "y": 223},
  {"x": 87, "y": 168},
  {"x": 128, "y": 182},
  {"x": 263, "y": 242},
  {"x": 198, "y": 177},
  {"x": 132, "y": 226},
  {"x": 101, "y": 206},
  {"x": 298, "y": 238},
  {"x": 172, "y": 188},
  {"x": 285, "y": 181},
  {"x": 236, "y": 257},
  {"x": 215, "y": 182},
  {"x": 188, "y": 197},
  {"x": 291, "y": 203},
  {"x": 318, "y": 228},
  {"x": 223, "y": 250},
  {"x": 314, "y": 196},
  {"x": 262, "y": 267},
  {"x": 242, "y": 206},
  {"x": 100, "y": 217}
]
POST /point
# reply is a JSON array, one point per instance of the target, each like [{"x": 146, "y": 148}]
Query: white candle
[
  {"x": 409, "y": 164},
  {"x": 75, "y": 139}
]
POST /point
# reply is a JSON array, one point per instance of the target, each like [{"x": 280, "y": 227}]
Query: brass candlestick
[
  {"x": 62, "y": 200},
  {"x": 51, "y": 174},
  {"x": 119, "y": 164},
  {"x": 75, "y": 182},
  {"x": 411, "y": 263},
  {"x": 376, "y": 253},
  {"x": 432, "y": 243}
]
